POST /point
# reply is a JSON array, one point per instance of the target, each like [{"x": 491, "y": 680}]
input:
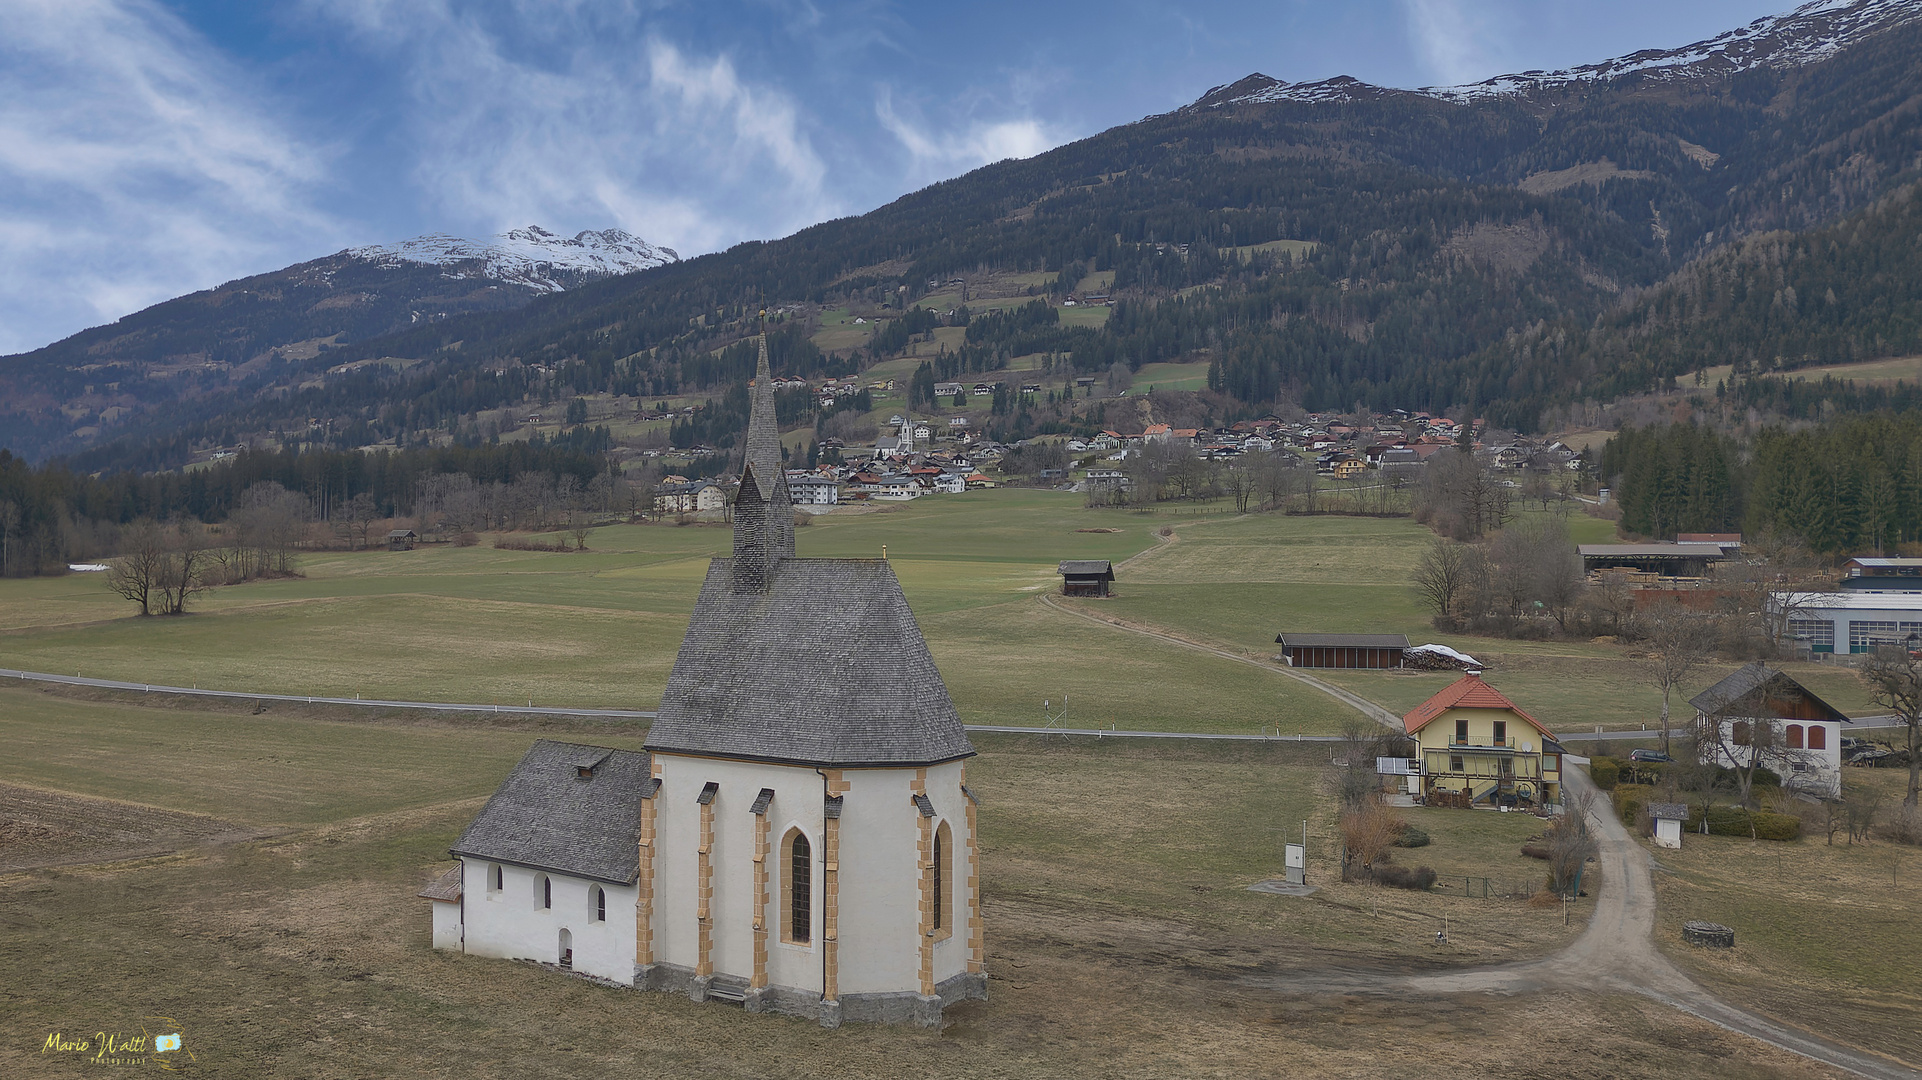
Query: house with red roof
[{"x": 1478, "y": 747}]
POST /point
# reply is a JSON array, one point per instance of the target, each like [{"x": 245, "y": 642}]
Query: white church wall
[
  {"x": 512, "y": 923},
  {"x": 880, "y": 878},
  {"x": 797, "y": 800},
  {"x": 447, "y": 928}
]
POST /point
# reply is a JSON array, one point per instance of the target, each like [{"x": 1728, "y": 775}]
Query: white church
[{"x": 797, "y": 837}]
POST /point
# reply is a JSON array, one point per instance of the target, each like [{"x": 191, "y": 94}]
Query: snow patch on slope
[
  {"x": 532, "y": 256},
  {"x": 1811, "y": 32}
]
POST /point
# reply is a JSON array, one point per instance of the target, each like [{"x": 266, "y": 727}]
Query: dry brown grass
[{"x": 1825, "y": 935}]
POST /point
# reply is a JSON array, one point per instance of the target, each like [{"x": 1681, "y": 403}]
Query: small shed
[
  {"x": 402, "y": 540},
  {"x": 1668, "y": 818},
  {"x": 1086, "y": 577},
  {"x": 1343, "y": 650}
]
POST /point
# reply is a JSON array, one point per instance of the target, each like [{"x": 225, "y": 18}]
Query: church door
[{"x": 567, "y": 949}]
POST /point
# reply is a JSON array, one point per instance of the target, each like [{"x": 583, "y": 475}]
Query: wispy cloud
[
  {"x": 1456, "y": 40},
  {"x": 135, "y": 164},
  {"x": 940, "y": 153},
  {"x": 574, "y": 115}
]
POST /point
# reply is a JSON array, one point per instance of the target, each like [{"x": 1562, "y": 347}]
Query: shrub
[
  {"x": 1735, "y": 821},
  {"x": 1420, "y": 879},
  {"x": 466, "y": 539},
  {"x": 1904, "y": 826},
  {"x": 1606, "y": 772},
  {"x": 1412, "y": 837},
  {"x": 1630, "y": 800}
]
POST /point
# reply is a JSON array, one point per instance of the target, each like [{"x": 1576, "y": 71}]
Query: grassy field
[
  {"x": 263, "y": 888},
  {"x": 1120, "y": 926},
  {"x": 1171, "y": 377},
  {"x": 600, "y": 628},
  {"x": 1825, "y": 934}
]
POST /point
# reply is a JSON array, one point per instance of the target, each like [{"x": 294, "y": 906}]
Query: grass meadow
[
  {"x": 1114, "y": 887},
  {"x": 253, "y": 868},
  {"x": 1824, "y": 933}
]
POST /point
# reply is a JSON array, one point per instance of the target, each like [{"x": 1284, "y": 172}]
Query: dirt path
[
  {"x": 1354, "y": 701},
  {"x": 1616, "y": 954}
]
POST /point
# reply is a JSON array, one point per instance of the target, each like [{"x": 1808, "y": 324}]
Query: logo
[{"x": 159, "y": 1045}]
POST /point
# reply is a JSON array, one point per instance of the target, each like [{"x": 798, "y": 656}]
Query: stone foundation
[{"x": 905, "y": 1007}]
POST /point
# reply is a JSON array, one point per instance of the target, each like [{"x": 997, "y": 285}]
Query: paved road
[
  {"x": 378, "y": 703},
  {"x": 1616, "y": 953}
]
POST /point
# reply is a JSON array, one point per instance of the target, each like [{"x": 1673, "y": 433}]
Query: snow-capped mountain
[
  {"x": 1809, "y": 33},
  {"x": 532, "y": 256}
]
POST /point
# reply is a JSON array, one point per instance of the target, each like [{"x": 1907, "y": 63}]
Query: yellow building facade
[{"x": 1478, "y": 746}]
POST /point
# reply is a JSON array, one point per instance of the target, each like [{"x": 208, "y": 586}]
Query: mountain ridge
[
  {"x": 1437, "y": 231},
  {"x": 1809, "y": 33},
  {"x": 529, "y": 256}
]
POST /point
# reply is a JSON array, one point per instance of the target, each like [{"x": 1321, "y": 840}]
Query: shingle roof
[
  {"x": 825, "y": 666},
  {"x": 1467, "y": 692},
  {"x": 1668, "y": 811},
  {"x": 1343, "y": 641},
  {"x": 1086, "y": 566},
  {"x": 1740, "y": 690},
  {"x": 445, "y": 887},
  {"x": 547, "y": 817}
]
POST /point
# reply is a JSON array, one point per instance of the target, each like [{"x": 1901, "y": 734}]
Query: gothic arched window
[
  {"x": 943, "y": 851},
  {"x": 600, "y": 905},
  {"x": 797, "y": 887}
]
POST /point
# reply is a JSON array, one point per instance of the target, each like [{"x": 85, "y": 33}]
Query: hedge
[
  {"x": 1605, "y": 772},
  {"x": 1629, "y": 801},
  {"x": 1734, "y": 821}
]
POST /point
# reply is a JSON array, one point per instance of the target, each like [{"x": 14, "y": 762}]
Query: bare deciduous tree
[
  {"x": 1571, "y": 844},
  {"x": 1678, "y": 646},
  {"x": 579, "y": 524},
  {"x": 1895, "y": 683},
  {"x": 360, "y": 513},
  {"x": 134, "y": 573},
  {"x": 1442, "y": 578},
  {"x": 1366, "y": 832},
  {"x": 161, "y": 567}
]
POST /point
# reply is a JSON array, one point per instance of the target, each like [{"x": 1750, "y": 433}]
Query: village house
[
  {"x": 1805, "y": 743},
  {"x": 810, "y": 490},
  {"x": 689, "y": 498},
  {"x": 791, "y": 842},
  {"x": 1476, "y": 746}
]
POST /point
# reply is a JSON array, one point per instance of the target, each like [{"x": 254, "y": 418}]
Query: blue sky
[{"x": 149, "y": 148}]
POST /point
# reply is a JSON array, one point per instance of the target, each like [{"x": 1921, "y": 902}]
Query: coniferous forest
[{"x": 1848, "y": 486}]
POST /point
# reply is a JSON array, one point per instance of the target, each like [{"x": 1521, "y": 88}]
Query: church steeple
[{"x": 763, "y": 509}]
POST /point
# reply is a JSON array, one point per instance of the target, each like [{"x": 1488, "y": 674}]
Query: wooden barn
[
  {"x": 402, "y": 540},
  {"x": 1343, "y": 650},
  {"x": 1086, "y": 577}
]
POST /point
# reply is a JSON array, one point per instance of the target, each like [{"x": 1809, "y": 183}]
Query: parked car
[{"x": 1649, "y": 755}]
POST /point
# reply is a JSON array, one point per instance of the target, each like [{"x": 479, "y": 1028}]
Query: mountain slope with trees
[{"x": 1463, "y": 250}]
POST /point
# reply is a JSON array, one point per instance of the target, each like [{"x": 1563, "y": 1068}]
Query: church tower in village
[{"x": 799, "y": 835}]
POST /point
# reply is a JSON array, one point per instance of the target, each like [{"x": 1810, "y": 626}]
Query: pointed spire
[
  {"x": 763, "y": 457},
  {"x": 763, "y": 509}
]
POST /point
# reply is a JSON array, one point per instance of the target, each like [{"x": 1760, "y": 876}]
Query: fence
[{"x": 1486, "y": 888}]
